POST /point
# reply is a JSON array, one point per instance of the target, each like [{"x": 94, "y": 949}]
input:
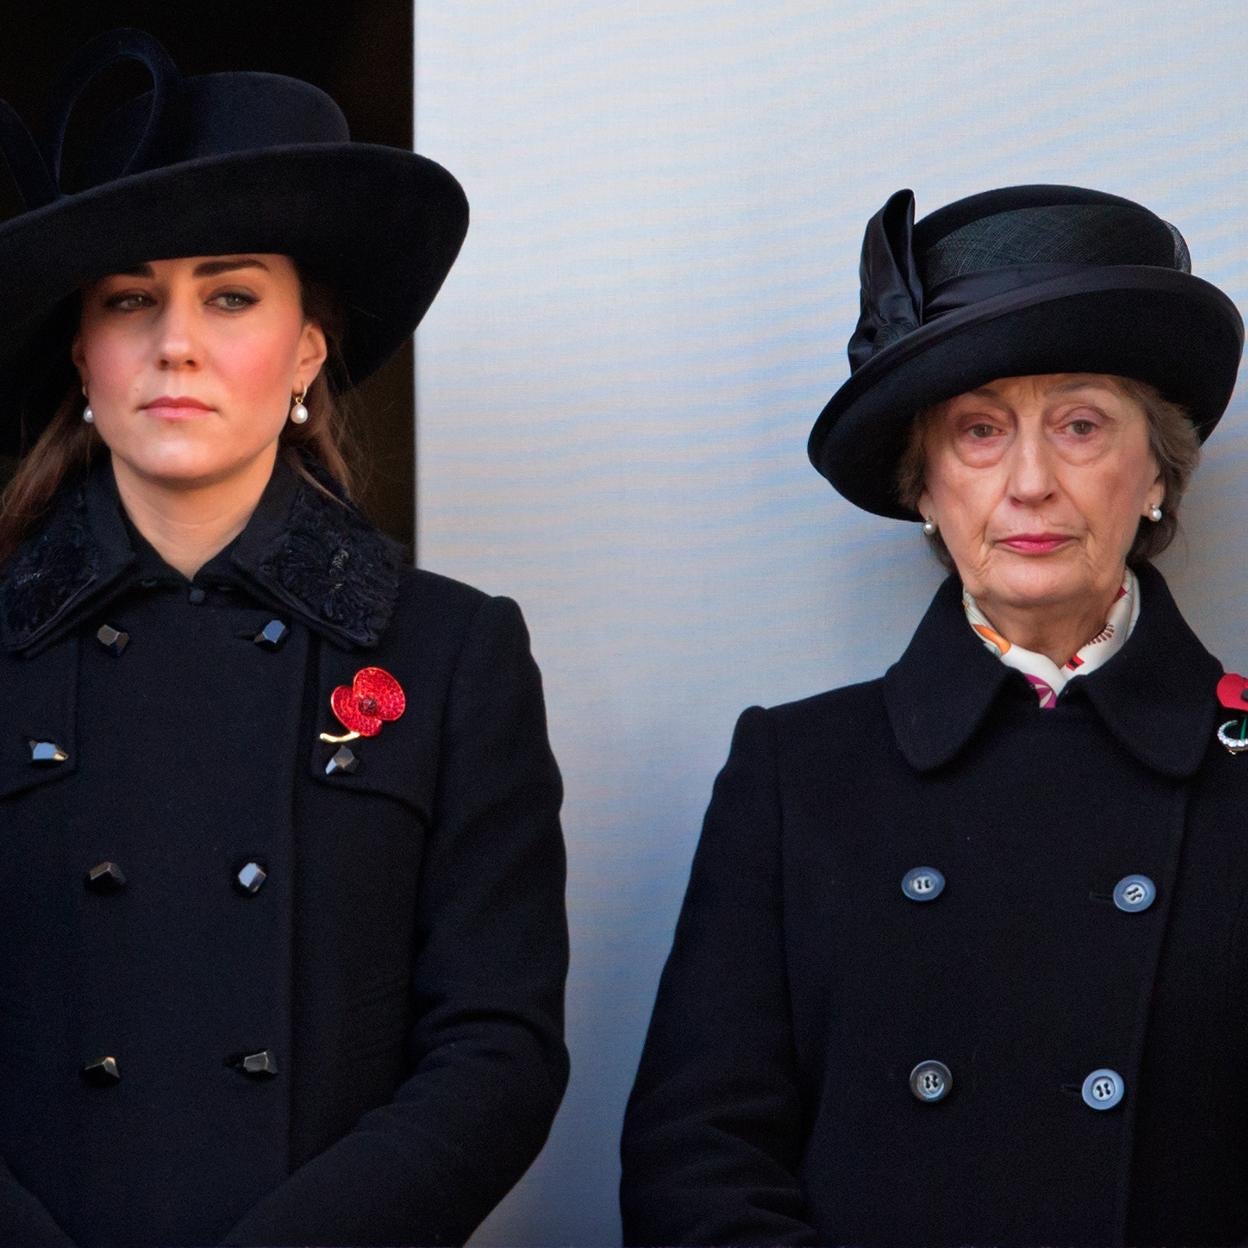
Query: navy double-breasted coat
[
  {"x": 774, "y": 1101},
  {"x": 254, "y": 990}
]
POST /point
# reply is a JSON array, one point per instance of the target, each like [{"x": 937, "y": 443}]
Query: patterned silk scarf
[{"x": 1046, "y": 678}]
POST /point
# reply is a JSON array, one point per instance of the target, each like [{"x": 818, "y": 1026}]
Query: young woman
[{"x": 283, "y": 939}]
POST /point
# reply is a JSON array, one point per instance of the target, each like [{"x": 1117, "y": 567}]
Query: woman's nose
[
  {"x": 176, "y": 345},
  {"x": 1031, "y": 469}
]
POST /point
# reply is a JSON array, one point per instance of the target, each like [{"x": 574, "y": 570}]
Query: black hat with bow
[
  {"x": 217, "y": 164},
  {"x": 1009, "y": 283}
]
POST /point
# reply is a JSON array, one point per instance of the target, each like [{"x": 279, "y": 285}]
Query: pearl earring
[
  {"x": 88, "y": 415},
  {"x": 299, "y": 413},
  {"x": 929, "y": 527},
  {"x": 1154, "y": 512}
]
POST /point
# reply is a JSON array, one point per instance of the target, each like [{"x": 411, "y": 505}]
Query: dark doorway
[{"x": 360, "y": 53}]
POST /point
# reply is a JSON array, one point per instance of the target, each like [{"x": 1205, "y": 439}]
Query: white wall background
[{"x": 615, "y": 386}]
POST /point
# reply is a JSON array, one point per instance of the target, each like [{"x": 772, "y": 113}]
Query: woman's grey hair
[{"x": 1172, "y": 438}]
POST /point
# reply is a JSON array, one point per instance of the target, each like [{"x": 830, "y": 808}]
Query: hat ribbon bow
[
  {"x": 37, "y": 172},
  {"x": 891, "y": 299}
]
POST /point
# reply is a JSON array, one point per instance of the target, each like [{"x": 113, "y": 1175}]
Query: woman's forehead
[
  {"x": 1044, "y": 384},
  {"x": 206, "y": 266}
]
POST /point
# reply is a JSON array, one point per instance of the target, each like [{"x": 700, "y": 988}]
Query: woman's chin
[
  {"x": 183, "y": 468},
  {"x": 1045, "y": 583}
]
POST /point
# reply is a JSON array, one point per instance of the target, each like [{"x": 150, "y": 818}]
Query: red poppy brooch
[
  {"x": 372, "y": 698},
  {"x": 1233, "y": 694}
]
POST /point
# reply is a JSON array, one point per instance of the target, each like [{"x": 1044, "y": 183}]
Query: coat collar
[
  {"x": 303, "y": 550},
  {"x": 1156, "y": 696}
]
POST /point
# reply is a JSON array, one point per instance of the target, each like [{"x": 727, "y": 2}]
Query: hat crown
[
  {"x": 1093, "y": 234},
  {"x": 207, "y": 116},
  {"x": 178, "y": 120},
  {"x": 993, "y": 244}
]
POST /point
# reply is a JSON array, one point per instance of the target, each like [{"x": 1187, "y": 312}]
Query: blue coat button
[
  {"x": 931, "y": 1081},
  {"x": 923, "y": 884},
  {"x": 1134, "y": 893},
  {"x": 1103, "y": 1089}
]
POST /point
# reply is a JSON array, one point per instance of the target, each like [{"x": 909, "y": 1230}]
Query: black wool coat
[
  {"x": 317, "y": 997},
  {"x": 774, "y": 1102}
]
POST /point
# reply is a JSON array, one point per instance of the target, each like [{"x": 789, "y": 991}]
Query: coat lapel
[{"x": 939, "y": 691}]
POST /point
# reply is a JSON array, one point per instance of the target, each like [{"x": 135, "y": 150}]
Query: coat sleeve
[
  {"x": 713, "y": 1134},
  {"x": 486, "y": 1051},
  {"x": 23, "y": 1219}
]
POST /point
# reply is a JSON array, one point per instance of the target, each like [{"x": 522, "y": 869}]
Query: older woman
[
  {"x": 963, "y": 952},
  {"x": 282, "y": 945}
]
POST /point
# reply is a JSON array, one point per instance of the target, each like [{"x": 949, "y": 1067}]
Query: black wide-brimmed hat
[
  {"x": 1009, "y": 283},
  {"x": 210, "y": 165}
]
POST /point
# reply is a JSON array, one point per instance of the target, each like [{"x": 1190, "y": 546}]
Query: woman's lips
[
  {"x": 1034, "y": 543},
  {"x": 176, "y": 407}
]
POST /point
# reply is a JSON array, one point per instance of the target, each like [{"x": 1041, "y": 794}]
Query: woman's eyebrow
[{"x": 211, "y": 268}]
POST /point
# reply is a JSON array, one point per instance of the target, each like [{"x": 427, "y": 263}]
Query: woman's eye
[
  {"x": 1082, "y": 428},
  {"x": 981, "y": 430},
  {"x": 233, "y": 300},
  {"x": 129, "y": 301}
]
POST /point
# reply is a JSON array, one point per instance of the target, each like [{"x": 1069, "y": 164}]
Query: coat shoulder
[
  {"x": 440, "y": 596},
  {"x": 436, "y": 611},
  {"x": 838, "y": 716}
]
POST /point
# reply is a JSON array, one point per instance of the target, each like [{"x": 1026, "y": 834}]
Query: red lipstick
[{"x": 1034, "y": 543}]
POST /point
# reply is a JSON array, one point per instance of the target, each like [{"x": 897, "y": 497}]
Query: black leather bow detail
[
  {"x": 36, "y": 171},
  {"x": 892, "y": 292}
]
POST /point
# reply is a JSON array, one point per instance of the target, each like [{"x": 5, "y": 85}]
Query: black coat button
[
  {"x": 272, "y": 635},
  {"x": 102, "y": 1073},
  {"x": 262, "y": 1065},
  {"x": 344, "y": 762},
  {"x": 250, "y": 878},
  {"x": 195, "y": 595},
  {"x": 106, "y": 877},
  {"x": 112, "y": 639},
  {"x": 46, "y": 753}
]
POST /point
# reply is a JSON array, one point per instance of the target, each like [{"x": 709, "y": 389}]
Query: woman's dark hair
[
  {"x": 67, "y": 444},
  {"x": 1172, "y": 438}
]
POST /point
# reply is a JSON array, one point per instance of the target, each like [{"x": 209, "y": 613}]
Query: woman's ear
[
  {"x": 78, "y": 356},
  {"x": 313, "y": 351}
]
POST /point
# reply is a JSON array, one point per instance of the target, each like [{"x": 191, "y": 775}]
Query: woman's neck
[
  {"x": 188, "y": 524},
  {"x": 1057, "y": 632}
]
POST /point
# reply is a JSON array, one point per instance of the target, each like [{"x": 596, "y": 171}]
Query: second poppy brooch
[
  {"x": 1233, "y": 694},
  {"x": 372, "y": 698}
]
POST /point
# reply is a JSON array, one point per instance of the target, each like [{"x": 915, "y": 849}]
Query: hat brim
[
  {"x": 1170, "y": 329},
  {"x": 382, "y": 226}
]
